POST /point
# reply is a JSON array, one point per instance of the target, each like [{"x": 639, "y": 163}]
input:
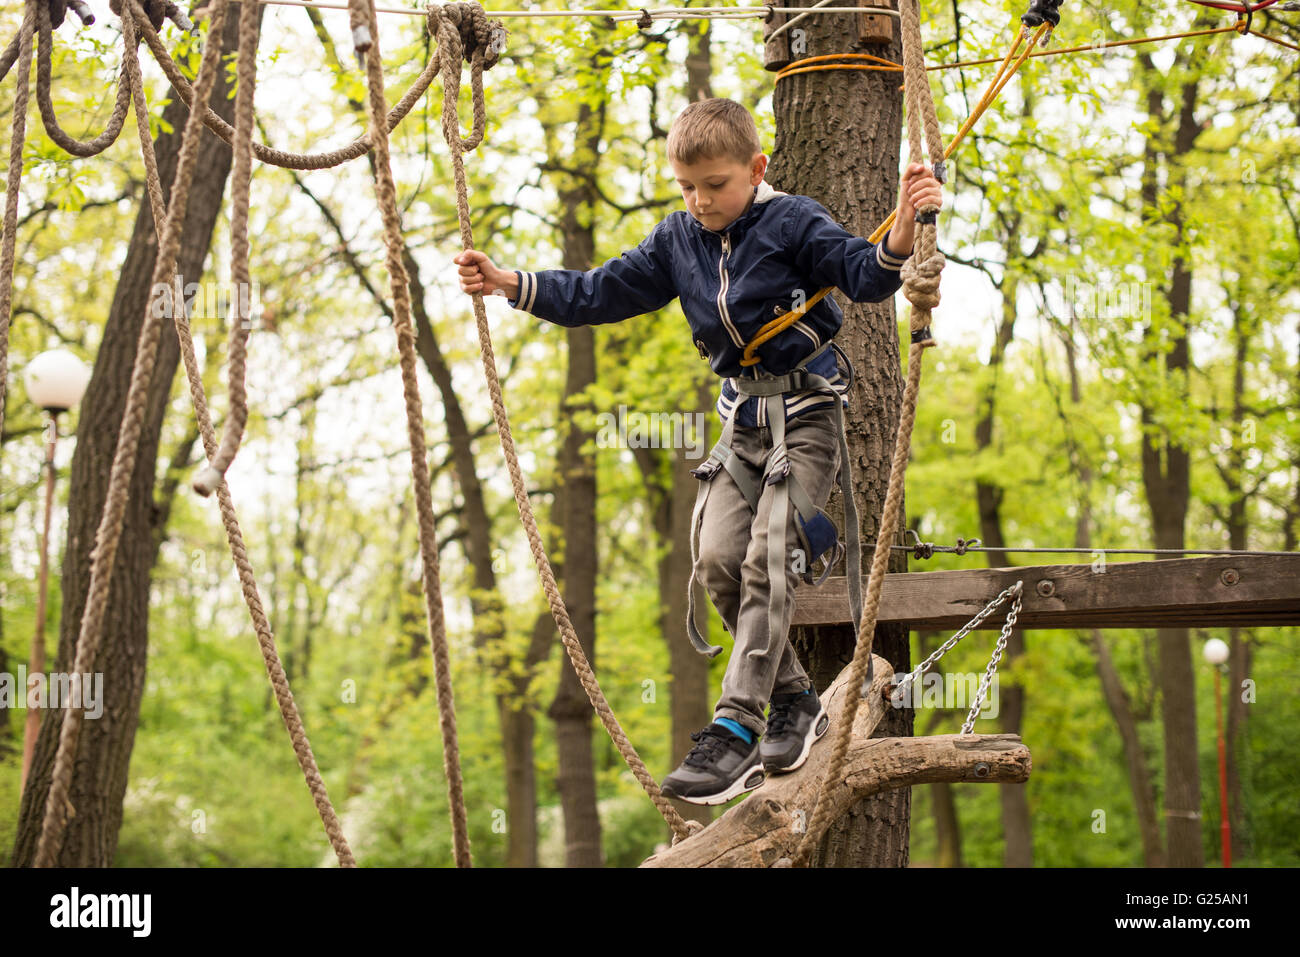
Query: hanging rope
[
  {"x": 240, "y": 281},
  {"x": 447, "y": 23},
  {"x": 17, "y": 137},
  {"x": 115, "y": 122},
  {"x": 57, "y": 806},
  {"x": 266, "y": 640},
  {"x": 298, "y": 161},
  {"x": 365, "y": 35},
  {"x": 921, "y": 287}
]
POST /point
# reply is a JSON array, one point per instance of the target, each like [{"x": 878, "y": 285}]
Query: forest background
[{"x": 1037, "y": 401}]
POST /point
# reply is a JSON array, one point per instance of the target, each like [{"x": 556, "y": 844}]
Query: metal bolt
[
  {"x": 982, "y": 770},
  {"x": 1046, "y": 588},
  {"x": 1229, "y": 576}
]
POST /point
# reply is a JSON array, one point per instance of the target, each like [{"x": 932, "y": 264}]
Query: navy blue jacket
[{"x": 778, "y": 253}]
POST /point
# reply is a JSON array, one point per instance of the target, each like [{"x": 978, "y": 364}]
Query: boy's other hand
[
  {"x": 919, "y": 188},
  {"x": 479, "y": 275}
]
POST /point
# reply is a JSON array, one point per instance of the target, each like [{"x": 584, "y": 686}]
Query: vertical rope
[
  {"x": 921, "y": 287},
  {"x": 364, "y": 19},
  {"x": 248, "y": 584},
  {"x": 445, "y": 22},
  {"x": 57, "y": 806},
  {"x": 17, "y": 137},
  {"x": 240, "y": 281}
]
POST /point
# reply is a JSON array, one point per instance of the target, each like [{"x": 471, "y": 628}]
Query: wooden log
[
  {"x": 873, "y": 27},
  {"x": 1220, "y": 591},
  {"x": 776, "y": 50},
  {"x": 765, "y": 828}
]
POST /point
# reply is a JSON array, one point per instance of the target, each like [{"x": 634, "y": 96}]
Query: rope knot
[
  {"x": 692, "y": 828},
  {"x": 921, "y": 286},
  {"x": 469, "y": 23},
  {"x": 155, "y": 10}
]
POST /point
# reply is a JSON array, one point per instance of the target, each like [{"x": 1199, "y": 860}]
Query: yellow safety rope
[{"x": 783, "y": 322}]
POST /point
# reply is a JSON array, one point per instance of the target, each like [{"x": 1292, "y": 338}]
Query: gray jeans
[{"x": 733, "y": 563}]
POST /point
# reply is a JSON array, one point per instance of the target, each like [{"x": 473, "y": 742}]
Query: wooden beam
[{"x": 1221, "y": 591}]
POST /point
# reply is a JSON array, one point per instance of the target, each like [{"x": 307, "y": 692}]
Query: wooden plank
[{"x": 1219, "y": 591}]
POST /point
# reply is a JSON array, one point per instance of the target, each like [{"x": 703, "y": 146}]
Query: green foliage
[{"x": 1046, "y": 206}]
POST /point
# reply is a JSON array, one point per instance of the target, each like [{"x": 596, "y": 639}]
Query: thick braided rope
[
  {"x": 74, "y": 146},
  {"x": 266, "y": 639},
  {"x": 17, "y": 137},
  {"x": 57, "y": 805},
  {"x": 447, "y": 34},
  {"x": 363, "y": 11},
  {"x": 214, "y": 473},
  {"x": 10, "y": 54},
  {"x": 921, "y": 287},
  {"x": 300, "y": 161}
]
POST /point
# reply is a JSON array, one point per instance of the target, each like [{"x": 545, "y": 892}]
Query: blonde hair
[{"x": 715, "y": 128}]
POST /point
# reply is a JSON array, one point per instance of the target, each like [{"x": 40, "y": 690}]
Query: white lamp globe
[
  {"x": 1215, "y": 651},
  {"x": 56, "y": 380}
]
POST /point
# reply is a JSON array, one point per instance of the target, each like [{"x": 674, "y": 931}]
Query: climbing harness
[{"x": 816, "y": 531}]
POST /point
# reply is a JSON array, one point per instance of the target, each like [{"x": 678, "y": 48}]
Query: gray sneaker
[
  {"x": 794, "y": 722},
  {"x": 720, "y": 767}
]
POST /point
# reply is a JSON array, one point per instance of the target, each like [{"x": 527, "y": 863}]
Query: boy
[{"x": 739, "y": 255}]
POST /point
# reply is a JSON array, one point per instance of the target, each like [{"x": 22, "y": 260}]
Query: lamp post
[
  {"x": 55, "y": 381},
  {"x": 1216, "y": 653}
]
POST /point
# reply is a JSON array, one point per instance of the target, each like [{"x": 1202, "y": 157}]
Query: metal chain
[
  {"x": 923, "y": 667},
  {"x": 969, "y": 726}
]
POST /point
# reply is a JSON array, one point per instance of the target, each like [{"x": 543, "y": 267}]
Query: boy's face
[{"x": 718, "y": 191}]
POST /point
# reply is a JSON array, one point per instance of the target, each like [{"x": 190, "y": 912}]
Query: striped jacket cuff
[
  {"x": 527, "y": 297},
  {"x": 887, "y": 259}
]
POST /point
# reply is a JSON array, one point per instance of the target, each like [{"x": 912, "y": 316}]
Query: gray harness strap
[{"x": 776, "y": 471}]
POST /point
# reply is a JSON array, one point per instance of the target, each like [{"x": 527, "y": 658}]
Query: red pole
[
  {"x": 1225, "y": 832},
  {"x": 37, "y": 664}
]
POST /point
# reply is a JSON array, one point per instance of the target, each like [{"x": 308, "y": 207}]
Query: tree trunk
[
  {"x": 1165, "y": 463},
  {"x": 1239, "y": 645},
  {"x": 1117, "y": 700},
  {"x": 571, "y": 709},
  {"x": 1017, "y": 829},
  {"x": 104, "y": 750},
  {"x": 838, "y": 134}
]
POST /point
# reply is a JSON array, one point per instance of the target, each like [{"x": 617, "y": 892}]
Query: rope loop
[{"x": 479, "y": 38}]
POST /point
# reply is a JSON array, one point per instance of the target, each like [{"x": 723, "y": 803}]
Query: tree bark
[
  {"x": 838, "y": 134},
  {"x": 571, "y": 709},
  {"x": 1017, "y": 828},
  {"x": 1166, "y": 472},
  {"x": 1117, "y": 699},
  {"x": 104, "y": 750}
]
